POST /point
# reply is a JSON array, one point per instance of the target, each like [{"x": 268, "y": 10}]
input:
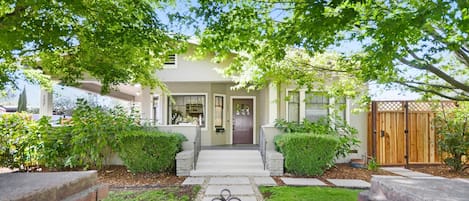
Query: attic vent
[{"x": 171, "y": 60}]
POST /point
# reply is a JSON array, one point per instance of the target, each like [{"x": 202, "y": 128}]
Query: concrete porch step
[
  {"x": 229, "y": 163},
  {"x": 207, "y": 165},
  {"x": 229, "y": 172}
]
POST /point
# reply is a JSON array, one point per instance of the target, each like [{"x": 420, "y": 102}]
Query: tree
[
  {"x": 113, "y": 41},
  {"x": 422, "y": 45}
]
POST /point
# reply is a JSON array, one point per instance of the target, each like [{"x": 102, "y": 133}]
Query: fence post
[
  {"x": 406, "y": 133},
  {"x": 373, "y": 123}
]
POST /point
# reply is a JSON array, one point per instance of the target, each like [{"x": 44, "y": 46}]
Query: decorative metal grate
[{"x": 225, "y": 195}]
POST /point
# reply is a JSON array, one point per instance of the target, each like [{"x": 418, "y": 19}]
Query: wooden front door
[{"x": 242, "y": 121}]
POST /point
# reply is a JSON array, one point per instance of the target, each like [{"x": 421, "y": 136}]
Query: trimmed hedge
[
  {"x": 149, "y": 151},
  {"x": 306, "y": 153}
]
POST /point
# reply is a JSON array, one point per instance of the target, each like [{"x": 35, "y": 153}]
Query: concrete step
[
  {"x": 207, "y": 165},
  {"x": 229, "y": 159},
  {"x": 229, "y": 172},
  {"x": 229, "y": 163}
]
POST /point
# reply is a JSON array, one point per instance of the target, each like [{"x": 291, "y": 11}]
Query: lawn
[
  {"x": 164, "y": 194},
  {"x": 287, "y": 193}
]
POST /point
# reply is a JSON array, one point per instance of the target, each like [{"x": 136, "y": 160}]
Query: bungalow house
[{"x": 202, "y": 95}]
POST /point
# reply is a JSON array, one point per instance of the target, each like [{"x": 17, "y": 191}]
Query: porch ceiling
[{"x": 124, "y": 92}]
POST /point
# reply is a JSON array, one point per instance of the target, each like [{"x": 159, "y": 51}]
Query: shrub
[
  {"x": 149, "y": 151},
  {"x": 56, "y": 146},
  {"x": 332, "y": 125},
  {"x": 305, "y": 153},
  {"x": 452, "y": 128},
  {"x": 19, "y": 141},
  {"x": 94, "y": 132}
]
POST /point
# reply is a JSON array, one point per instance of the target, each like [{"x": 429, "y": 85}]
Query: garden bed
[
  {"x": 440, "y": 170},
  {"x": 341, "y": 171},
  {"x": 119, "y": 177}
]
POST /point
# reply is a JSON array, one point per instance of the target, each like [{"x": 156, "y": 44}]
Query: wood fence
[{"x": 401, "y": 132}]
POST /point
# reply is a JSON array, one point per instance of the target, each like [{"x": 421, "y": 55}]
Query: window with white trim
[
  {"x": 293, "y": 106},
  {"x": 187, "y": 109},
  {"x": 156, "y": 110},
  {"x": 313, "y": 106},
  {"x": 219, "y": 111},
  {"x": 316, "y": 106}
]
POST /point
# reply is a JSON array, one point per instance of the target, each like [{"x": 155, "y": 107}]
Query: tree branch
[
  {"x": 462, "y": 98},
  {"x": 431, "y": 68},
  {"x": 432, "y": 85},
  {"x": 318, "y": 67},
  {"x": 463, "y": 55}
]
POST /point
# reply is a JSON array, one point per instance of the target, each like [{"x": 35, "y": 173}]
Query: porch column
[
  {"x": 273, "y": 103},
  {"x": 46, "y": 104},
  {"x": 146, "y": 104}
]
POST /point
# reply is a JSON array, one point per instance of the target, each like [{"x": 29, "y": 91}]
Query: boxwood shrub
[
  {"x": 149, "y": 151},
  {"x": 306, "y": 153}
]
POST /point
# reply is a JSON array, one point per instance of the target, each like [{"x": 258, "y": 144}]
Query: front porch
[{"x": 228, "y": 160}]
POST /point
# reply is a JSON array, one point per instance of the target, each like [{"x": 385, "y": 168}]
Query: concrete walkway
[
  {"x": 243, "y": 187},
  {"x": 408, "y": 173},
  {"x": 246, "y": 187}
]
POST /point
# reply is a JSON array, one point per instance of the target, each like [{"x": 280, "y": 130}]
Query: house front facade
[{"x": 200, "y": 94}]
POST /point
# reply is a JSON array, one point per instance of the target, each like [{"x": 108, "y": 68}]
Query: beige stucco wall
[
  {"x": 356, "y": 120},
  {"x": 208, "y": 134},
  {"x": 190, "y": 70}
]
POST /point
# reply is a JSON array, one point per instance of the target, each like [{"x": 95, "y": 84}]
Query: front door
[{"x": 242, "y": 121}]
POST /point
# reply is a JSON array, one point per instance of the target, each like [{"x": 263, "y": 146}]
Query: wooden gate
[{"x": 387, "y": 139}]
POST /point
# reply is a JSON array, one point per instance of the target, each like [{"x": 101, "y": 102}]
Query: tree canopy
[
  {"x": 112, "y": 41},
  {"x": 422, "y": 45}
]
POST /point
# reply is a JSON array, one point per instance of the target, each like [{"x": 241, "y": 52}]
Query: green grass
[
  {"x": 165, "y": 194},
  {"x": 287, "y": 193}
]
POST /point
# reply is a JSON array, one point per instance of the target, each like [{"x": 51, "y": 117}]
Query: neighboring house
[{"x": 202, "y": 95}]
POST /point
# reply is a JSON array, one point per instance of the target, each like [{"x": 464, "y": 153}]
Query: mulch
[
  {"x": 120, "y": 177},
  {"x": 441, "y": 170},
  {"x": 340, "y": 171}
]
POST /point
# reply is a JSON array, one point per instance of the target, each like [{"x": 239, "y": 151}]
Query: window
[
  {"x": 219, "y": 111},
  {"x": 316, "y": 106},
  {"x": 170, "y": 61},
  {"x": 156, "y": 110},
  {"x": 187, "y": 109},
  {"x": 313, "y": 106},
  {"x": 293, "y": 106}
]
